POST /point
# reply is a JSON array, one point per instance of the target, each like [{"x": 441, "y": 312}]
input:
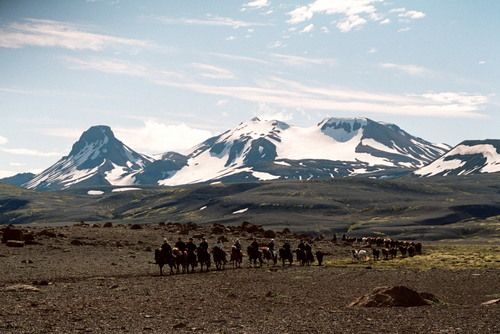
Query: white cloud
[
  {"x": 213, "y": 72},
  {"x": 3, "y": 140},
  {"x": 257, "y": 4},
  {"x": 215, "y": 21},
  {"x": 222, "y": 102},
  {"x": 325, "y": 30},
  {"x": 351, "y": 22},
  {"x": 6, "y": 173},
  {"x": 49, "y": 33},
  {"x": 17, "y": 164},
  {"x": 266, "y": 112},
  {"x": 308, "y": 28},
  {"x": 412, "y": 14},
  {"x": 157, "y": 137},
  {"x": 291, "y": 60},
  {"x": 230, "y": 38},
  {"x": 351, "y": 14},
  {"x": 29, "y": 152},
  {"x": 239, "y": 58},
  {"x": 372, "y": 50},
  {"x": 410, "y": 69},
  {"x": 405, "y": 29},
  {"x": 481, "y": 62}
]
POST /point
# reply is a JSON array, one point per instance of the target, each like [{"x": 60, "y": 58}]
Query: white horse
[{"x": 360, "y": 255}]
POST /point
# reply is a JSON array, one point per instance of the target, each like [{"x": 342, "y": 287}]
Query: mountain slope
[
  {"x": 97, "y": 158},
  {"x": 468, "y": 157},
  {"x": 18, "y": 179},
  {"x": 266, "y": 150}
]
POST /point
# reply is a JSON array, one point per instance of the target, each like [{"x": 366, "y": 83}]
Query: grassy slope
[{"x": 437, "y": 208}]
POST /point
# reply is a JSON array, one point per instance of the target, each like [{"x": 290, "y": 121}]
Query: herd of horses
[{"x": 186, "y": 261}]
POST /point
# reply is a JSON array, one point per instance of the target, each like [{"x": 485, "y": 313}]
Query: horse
[
  {"x": 236, "y": 257},
  {"x": 309, "y": 257},
  {"x": 376, "y": 254},
  {"x": 220, "y": 258},
  {"x": 254, "y": 254},
  {"x": 385, "y": 253},
  {"x": 402, "y": 250},
  {"x": 319, "y": 256},
  {"x": 301, "y": 256},
  {"x": 268, "y": 255},
  {"x": 411, "y": 251},
  {"x": 179, "y": 260},
  {"x": 285, "y": 255},
  {"x": 393, "y": 252},
  {"x": 359, "y": 255},
  {"x": 203, "y": 258},
  {"x": 191, "y": 261},
  {"x": 163, "y": 257}
]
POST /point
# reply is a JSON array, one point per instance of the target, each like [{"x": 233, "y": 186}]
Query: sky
[{"x": 166, "y": 75}]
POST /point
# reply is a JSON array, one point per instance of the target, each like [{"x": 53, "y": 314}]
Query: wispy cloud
[
  {"x": 215, "y": 21},
  {"x": 3, "y": 140},
  {"x": 239, "y": 58},
  {"x": 409, "y": 69},
  {"x": 49, "y": 33},
  {"x": 292, "y": 60},
  {"x": 29, "y": 152},
  {"x": 308, "y": 28},
  {"x": 213, "y": 72},
  {"x": 412, "y": 14},
  {"x": 294, "y": 95},
  {"x": 256, "y": 4}
]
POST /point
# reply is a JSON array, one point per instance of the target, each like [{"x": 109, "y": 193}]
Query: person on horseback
[
  {"x": 237, "y": 244},
  {"x": 165, "y": 247},
  {"x": 190, "y": 246},
  {"x": 255, "y": 244},
  {"x": 219, "y": 245},
  {"x": 270, "y": 245},
  {"x": 204, "y": 244},
  {"x": 286, "y": 246},
  {"x": 301, "y": 245},
  {"x": 180, "y": 245}
]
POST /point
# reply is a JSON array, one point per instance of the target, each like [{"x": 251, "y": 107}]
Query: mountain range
[{"x": 259, "y": 150}]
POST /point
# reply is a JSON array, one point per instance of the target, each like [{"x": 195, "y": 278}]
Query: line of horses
[
  {"x": 186, "y": 261},
  {"x": 386, "y": 247}
]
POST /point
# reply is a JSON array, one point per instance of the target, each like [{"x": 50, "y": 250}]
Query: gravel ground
[{"x": 109, "y": 285}]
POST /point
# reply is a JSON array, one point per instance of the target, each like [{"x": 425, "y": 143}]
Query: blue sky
[{"x": 165, "y": 75}]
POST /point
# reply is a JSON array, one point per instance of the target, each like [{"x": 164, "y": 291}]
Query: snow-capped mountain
[
  {"x": 97, "y": 158},
  {"x": 266, "y": 150},
  {"x": 468, "y": 157}
]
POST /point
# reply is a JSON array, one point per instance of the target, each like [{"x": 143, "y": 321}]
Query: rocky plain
[{"x": 101, "y": 278}]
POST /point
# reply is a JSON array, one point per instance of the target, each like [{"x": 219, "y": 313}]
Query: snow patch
[
  {"x": 95, "y": 192},
  {"x": 117, "y": 190},
  {"x": 240, "y": 211},
  {"x": 265, "y": 176}
]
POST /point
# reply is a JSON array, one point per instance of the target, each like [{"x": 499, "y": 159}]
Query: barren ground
[{"x": 109, "y": 285}]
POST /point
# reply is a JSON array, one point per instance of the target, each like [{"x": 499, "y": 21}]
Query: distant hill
[{"x": 18, "y": 179}]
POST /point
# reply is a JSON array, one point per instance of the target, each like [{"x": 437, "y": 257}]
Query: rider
[
  {"x": 204, "y": 244},
  {"x": 308, "y": 249},
  {"x": 180, "y": 245},
  {"x": 286, "y": 246},
  {"x": 219, "y": 245},
  {"x": 237, "y": 244},
  {"x": 165, "y": 247},
  {"x": 301, "y": 245},
  {"x": 270, "y": 245},
  {"x": 190, "y": 246},
  {"x": 254, "y": 245}
]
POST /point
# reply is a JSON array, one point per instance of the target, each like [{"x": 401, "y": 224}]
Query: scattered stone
[
  {"x": 218, "y": 229},
  {"x": 21, "y": 288},
  {"x": 47, "y": 233},
  {"x": 148, "y": 249},
  {"x": 393, "y": 296},
  {"x": 136, "y": 227},
  {"x": 96, "y": 225},
  {"x": 107, "y": 224},
  {"x": 76, "y": 242},
  {"x": 492, "y": 302},
  {"x": 27, "y": 261},
  {"x": 223, "y": 238},
  {"x": 179, "y": 325},
  {"x": 15, "y": 243},
  {"x": 41, "y": 283},
  {"x": 114, "y": 286}
]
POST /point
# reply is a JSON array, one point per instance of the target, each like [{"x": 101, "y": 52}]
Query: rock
[
  {"x": 269, "y": 234},
  {"x": 15, "y": 243},
  {"x": 11, "y": 233},
  {"x": 136, "y": 227},
  {"x": 223, "y": 238},
  {"x": 41, "y": 283},
  {"x": 218, "y": 229},
  {"x": 21, "y": 288},
  {"x": 179, "y": 325},
  {"x": 27, "y": 261},
  {"x": 492, "y": 302},
  {"x": 76, "y": 242},
  {"x": 107, "y": 224},
  {"x": 47, "y": 233},
  {"x": 96, "y": 225},
  {"x": 148, "y": 249},
  {"x": 393, "y": 296}
]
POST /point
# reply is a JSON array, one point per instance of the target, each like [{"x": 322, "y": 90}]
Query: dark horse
[
  {"x": 191, "y": 261},
  {"x": 203, "y": 258},
  {"x": 236, "y": 257},
  {"x": 219, "y": 258},
  {"x": 286, "y": 255},
  {"x": 163, "y": 257},
  {"x": 254, "y": 254},
  {"x": 301, "y": 256},
  {"x": 180, "y": 260}
]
